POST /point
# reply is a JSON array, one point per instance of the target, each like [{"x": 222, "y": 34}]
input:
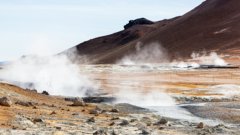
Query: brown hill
[{"x": 212, "y": 26}]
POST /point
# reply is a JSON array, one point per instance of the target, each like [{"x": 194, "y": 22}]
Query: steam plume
[
  {"x": 151, "y": 53},
  {"x": 212, "y": 59},
  {"x": 56, "y": 74}
]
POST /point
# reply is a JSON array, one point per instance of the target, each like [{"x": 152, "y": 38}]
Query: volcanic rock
[
  {"x": 23, "y": 122},
  {"x": 133, "y": 120},
  {"x": 115, "y": 118},
  {"x": 161, "y": 128},
  {"x": 98, "y": 99},
  {"x": 114, "y": 133},
  {"x": 100, "y": 132},
  {"x": 53, "y": 112},
  {"x": 139, "y": 21},
  {"x": 72, "y": 99},
  {"x": 146, "y": 120},
  {"x": 145, "y": 132},
  {"x": 79, "y": 102},
  {"x": 161, "y": 122},
  {"x": 114, "y": 110},
  {"x": 59, "y": 128},
  {"x": 36, "y": 120},
  {"x": 112, "y": 123},
  {"x": 125, "y": 107},
  {"x": 45, "y": 93},
  {"x": 124, "y": 123},
  {"x": 4, "y": 101},
  {"x": 96, "y": 111},
  {"x": 200, "y": 125},
  {"x": 220, "y": 128},
  {"x": 23, "y": 103},
  {"x": 92, "y": 119}
]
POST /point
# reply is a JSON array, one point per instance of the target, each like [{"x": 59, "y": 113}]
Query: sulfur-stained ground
[{"x": 186, "y": 86}]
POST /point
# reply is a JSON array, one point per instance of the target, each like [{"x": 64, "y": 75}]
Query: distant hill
[{"x": 212, "y": 26}]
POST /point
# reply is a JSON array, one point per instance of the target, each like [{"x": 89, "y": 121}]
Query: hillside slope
[{"x": 212, "y": 26}]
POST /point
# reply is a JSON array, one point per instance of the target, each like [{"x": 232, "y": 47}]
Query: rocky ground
[
  {"x": 205, "y": 94},
  {"x": 28, "y": 112}
]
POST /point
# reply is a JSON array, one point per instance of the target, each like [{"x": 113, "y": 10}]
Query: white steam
[
  {"x": 145, "y": 99},
  {"x": 147, "y": 55},
  {"x": 197, "y": 60},
  {"x": 153, "y": 54},
  {"x": 212, "y": 59},
  {"x": 183, "y": 65},
  {"x": 55, "y": 74},
  {"x": 150, "y": 53},
  {"x": 158, "y": 101}
]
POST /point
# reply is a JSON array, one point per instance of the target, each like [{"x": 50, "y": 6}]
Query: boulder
[
  {"x": 161, "y": 122},
  {"x": 4, "y": 101},
  {"x": 112, "y": 123},
  {"x": 114, "y": 133},
  {"x": 100, "y": 132},
  {"x": 161, "y": 128},
  {"x": 114, "y": 110},
  {"x": 200, "y": 125},
  {"x": 45, "y": 93},
  {"x": 37, "y": 120},
  {"x": 96, "y": 111},
  {"x": 53, "y": 112},
  {"x": 115, "y": 118},
  {"x": 145, "y": 132},
  {"x": 23, "y": 103},
  {"x": 124, "y": 123},
  {"x": 92, "y": 120},
  {"x": 146, "y": 120},
  {"x": 78, "y": 102},
  {"x": 58, "y": 128}
]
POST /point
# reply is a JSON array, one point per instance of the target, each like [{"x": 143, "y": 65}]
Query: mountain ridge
[{"x": 211, "y": 26}]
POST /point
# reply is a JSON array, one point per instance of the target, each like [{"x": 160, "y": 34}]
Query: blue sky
[{"x": 46, "y": 27}]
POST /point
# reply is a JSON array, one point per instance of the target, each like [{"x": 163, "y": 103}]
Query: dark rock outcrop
[
  {"x": 78, "y": 102},
  {"x": 4, "y": 101},
  {"x": 23, "y": 103},
  {"x": 139, "y": 21},
  {"x": 99, "y": 99},
  {"x": 45, "y": 93}
]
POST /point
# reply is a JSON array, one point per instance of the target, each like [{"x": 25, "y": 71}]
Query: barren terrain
[
  {"x": 141, "y": 80},
  {"x": 210, "y": 96}
]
